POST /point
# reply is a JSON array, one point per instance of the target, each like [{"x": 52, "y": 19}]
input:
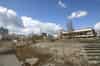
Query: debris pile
[{"x": 50, "y": 54}]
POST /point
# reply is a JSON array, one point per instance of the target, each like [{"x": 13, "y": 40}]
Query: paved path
[{"x": 9, "y": 60}]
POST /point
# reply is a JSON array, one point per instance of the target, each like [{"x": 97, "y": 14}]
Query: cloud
[
  {"x": 77, "y": 14},
  {"x": 97, "y": 28},
  {"x": 36, "y": 26},
  {"x": 24, "y": 24},
  {"x": 61, "y": 3},
  {"x": 9, "y": 19}
]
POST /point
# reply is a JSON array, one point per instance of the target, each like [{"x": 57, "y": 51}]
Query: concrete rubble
[{"x": 51, "y": 54}]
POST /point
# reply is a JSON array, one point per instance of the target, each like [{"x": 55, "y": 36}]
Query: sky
[{"x": 83, "y": 13}]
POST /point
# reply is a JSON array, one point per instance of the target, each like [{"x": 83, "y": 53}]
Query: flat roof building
[{"x": 81, "y": 33}]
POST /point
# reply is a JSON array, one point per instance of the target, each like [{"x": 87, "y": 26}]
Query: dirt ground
[
  {"x": 58, "y": 53},
  {"x": 47, "y": 53}
]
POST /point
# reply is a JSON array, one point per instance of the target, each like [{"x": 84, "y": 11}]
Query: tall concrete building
[{"x": 70, "y": 26}]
